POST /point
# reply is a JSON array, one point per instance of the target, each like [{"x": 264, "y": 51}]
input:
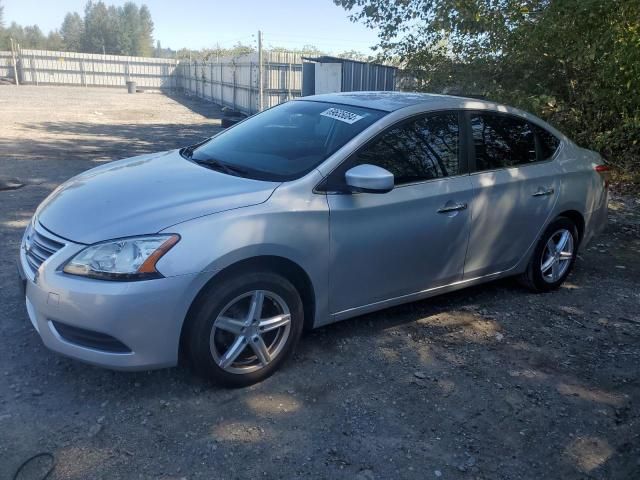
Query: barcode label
[{"x": 342, "y": 115}]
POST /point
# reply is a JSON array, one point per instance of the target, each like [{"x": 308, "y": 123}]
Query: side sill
[{"x": 412, "y": 297}]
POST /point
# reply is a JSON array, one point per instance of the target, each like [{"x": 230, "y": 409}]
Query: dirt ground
[{"x": 491, "y": 382}]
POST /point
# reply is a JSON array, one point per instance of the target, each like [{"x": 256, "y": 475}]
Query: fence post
[
  {"x": 15, "y": 65},
  {"x": 260, "y": 71},
  {"x": 211, "y": 74},
  {"x": 83, "y": 73},
  {"x": 195, "y": 75},
  {"x": 221, "y": 88},
  {"x": 34, "y": 74},
  {"x": 250, "y": 87},
  {"x": 234, "y": 86},
  {"x": 195, "y": 72}
]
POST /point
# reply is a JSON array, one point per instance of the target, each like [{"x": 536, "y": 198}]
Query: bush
[{"x": 575, "y": 63}]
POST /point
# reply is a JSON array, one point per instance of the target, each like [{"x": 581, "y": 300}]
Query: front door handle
[
  {"x": 543, "y": 193},
  {"x": 453, "y": 208}
]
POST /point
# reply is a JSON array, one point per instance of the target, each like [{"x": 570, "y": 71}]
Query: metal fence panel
[
  {"x": 44, "y": 67},
  {"x": 358, "y": 76},
  {"x": 234, "y": 81},
  {"x": 231, "y": 82}
]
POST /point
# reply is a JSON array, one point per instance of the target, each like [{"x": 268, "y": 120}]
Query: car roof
[
  {"x": 391, "y": 101},
  {"x": 386, "y": 101}
]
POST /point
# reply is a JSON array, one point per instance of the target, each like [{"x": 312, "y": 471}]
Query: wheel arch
[
  {"x": 577, "y": 218},
  {"x": 273, "y": 263}
]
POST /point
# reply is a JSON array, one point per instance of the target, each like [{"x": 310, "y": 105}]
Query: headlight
[
  {"x": 26, "y": 236},
  {"x": 123, "y": 259}
]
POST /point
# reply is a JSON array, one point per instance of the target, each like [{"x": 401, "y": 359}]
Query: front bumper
[{"x": 144, "y": 316}]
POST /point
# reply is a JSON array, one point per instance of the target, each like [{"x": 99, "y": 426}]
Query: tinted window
[
  {"x": 547, "y": 143},
  {"x": 418, "y": 150},
  {"x": 284, "y": 142},
  {"x": 501, "y": 141}
]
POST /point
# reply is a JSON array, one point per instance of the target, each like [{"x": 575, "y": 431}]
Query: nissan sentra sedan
[{"x": 317, "y": 210}]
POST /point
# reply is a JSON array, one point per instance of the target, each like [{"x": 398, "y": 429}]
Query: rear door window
[{"x": 501, "y": 141}]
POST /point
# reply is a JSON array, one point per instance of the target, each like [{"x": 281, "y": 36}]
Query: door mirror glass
[{"x": 369, "y": 179}]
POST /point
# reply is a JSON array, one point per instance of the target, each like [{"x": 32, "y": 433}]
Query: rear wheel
[
  {"x": 553, "y": 257},
  {"x": 245, "y": 327}
]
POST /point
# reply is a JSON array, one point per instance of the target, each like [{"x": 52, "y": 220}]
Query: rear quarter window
[{"x": 548, "y": 143}]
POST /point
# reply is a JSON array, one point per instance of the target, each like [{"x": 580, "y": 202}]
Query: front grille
[{"x": 39, "y": 246}]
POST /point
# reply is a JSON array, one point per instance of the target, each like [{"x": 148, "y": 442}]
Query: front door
[{"x": 412, "y": 238}]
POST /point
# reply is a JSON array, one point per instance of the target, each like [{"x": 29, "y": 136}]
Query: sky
[{"x": 200, "y": 24}]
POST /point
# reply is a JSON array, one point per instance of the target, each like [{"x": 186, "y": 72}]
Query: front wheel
[
  {"x": 244, "y": 328},
  {"x": 553, "y": 257}
]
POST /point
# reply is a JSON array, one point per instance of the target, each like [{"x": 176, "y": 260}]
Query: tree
[
  {"x": 356, "y": 55},
  {"x": 33, "y": 37},
  {"x": 129, "y": 29},
  {"x": 100, "y": 28},
  {"x": 468, "y": 28},
  {"x": 145, "y": 36},
  {"x": 573, "y": 62},
  {"x": 4, "y": 40},
  {"x": 125, "y": 30},
  {"x": 54, "y": 41},
  {"x": 15, "y": 31},
  {"x": 72, "y": 32}
]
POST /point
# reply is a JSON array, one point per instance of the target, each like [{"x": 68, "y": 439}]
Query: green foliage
[
  {"x": 215, "y": 53},
  {"x": 145, "y": 33},
  {"x": 30, "y": 36},
  {"x": 72, "y": 32},
  {"x": 54, "y": 41},
  {"x": 356, "y": 55},
  {"x": 124, "y": 30},
  {"x": 101, "y": 29},
  {"x": 575, "y": 63}
]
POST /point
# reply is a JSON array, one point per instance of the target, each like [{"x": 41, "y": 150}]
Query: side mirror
[{"x": 369, "y": 179}]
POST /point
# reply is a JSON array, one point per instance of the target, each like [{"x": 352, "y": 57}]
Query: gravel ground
[{"x": 491, "y": 382}]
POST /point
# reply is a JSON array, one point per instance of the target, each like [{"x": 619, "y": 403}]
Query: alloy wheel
[
  {"x": 250, "y": 332},
  {"x": 557, "y": 256}
]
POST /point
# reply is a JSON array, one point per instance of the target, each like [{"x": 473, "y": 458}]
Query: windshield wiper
[
  {"x": 216, "y": 164},
  {"x": 213, "y": 163},
  {"x": 187, "y": 152}
]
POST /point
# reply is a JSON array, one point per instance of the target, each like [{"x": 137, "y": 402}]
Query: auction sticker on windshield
[{"x": 342, "y": 115}]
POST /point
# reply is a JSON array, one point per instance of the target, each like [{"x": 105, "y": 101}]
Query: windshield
[{"x": 284, "y": 142}]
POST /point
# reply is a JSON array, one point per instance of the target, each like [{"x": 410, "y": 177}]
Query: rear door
[
  {"x": 412, "y": 238},
  {"x": 515, "y": 188}
]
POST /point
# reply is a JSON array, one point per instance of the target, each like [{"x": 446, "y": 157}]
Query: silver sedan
[{"x": 320, "y": 209}]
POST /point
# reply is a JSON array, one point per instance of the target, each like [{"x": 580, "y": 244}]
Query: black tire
[
  {"x": 209, "y": 306},
  {"x": 231, "y": 113},
  {"x": 533, "y": 277}
]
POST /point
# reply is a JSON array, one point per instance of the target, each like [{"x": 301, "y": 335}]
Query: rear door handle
[
  {"x": 453, "y": 208},
  {"x": 543, "y": 193}
]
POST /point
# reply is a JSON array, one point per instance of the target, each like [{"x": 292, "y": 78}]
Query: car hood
[{"x": 143, "y": 195}]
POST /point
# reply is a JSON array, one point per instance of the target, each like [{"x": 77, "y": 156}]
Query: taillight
[{"x": 605, "y": 173}]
